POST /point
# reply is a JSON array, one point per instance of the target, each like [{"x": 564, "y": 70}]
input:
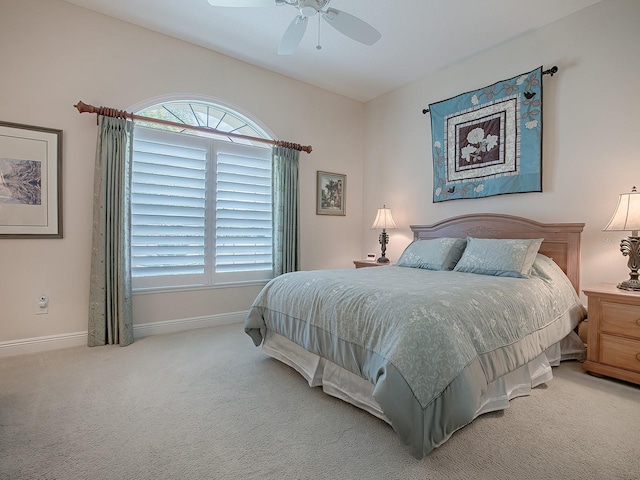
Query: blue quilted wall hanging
[{"x": 489, "y": 141}]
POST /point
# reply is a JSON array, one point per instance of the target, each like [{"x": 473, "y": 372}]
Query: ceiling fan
[{"x": 345, "y": 23}]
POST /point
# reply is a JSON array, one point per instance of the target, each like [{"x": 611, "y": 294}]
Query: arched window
[{"x": 200, "y": 203}]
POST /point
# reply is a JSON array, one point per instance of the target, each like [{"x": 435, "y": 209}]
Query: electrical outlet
[{"x": 42, "y": 305}]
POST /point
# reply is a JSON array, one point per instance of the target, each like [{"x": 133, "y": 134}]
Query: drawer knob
[
  {"x": 638, "y": 322},
  {"x": 638, "y": 357}
]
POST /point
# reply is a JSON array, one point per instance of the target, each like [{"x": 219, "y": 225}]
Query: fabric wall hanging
[{"x": 489, "y": 141}]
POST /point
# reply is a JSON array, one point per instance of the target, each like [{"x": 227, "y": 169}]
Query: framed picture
[
  {"x": 331, "y": 192},
  {"x": 30, "y": 181}
]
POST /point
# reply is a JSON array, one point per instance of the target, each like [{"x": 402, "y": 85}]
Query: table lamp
[
  {"x": 627, "y": 218},
  {"x": 383, "y": 221}
]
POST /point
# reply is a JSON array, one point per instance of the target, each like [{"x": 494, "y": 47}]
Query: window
[{"x": 200, "y": 205}]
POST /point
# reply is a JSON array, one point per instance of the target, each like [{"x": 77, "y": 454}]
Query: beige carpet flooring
[{"x": 207, "y": 404}]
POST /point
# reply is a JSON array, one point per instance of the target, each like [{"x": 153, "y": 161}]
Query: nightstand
[
  {"x": 613, "y": 341},
  {"x": 368, "y": 263}
]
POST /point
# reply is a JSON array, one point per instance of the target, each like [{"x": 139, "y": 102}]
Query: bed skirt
[{"x": 345, "y": 385}]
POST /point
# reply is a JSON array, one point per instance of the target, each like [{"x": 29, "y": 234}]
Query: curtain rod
[
  {"x": 112, "y": 112},
  {"x": 550, "y": 72}
]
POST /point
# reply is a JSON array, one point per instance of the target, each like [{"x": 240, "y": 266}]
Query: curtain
[
  {"x": 110, "y": 311},
  {"x": 286, "y": 221}
]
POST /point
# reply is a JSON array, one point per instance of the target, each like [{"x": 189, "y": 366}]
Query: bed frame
[{"x": 561, "y": 240}]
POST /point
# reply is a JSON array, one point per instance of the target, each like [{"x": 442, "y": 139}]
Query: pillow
[
  {"x": 498, "y": 256},
  {"x": 549, "y": 272},
  {"x": 544, "y": 268},
  {"x": 433, "y": 254}
]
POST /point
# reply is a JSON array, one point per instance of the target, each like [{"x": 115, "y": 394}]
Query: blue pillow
[
  {"x": 499, "y": 257},
  {"x": 433, "y": 254}
]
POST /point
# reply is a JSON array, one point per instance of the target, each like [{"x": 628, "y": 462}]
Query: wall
[
  {"x": 590, "y": 129},
  {"x": 55, "y": 54}
]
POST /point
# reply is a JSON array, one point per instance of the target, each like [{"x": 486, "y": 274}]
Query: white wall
[
  {"x": 54, "y": 54},
  {"x": 591, "y": 126}
]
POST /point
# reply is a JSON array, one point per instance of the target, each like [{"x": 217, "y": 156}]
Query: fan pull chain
[{"x": 318, "y": 46}]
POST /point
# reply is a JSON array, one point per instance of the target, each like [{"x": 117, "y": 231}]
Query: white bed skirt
[{"x": 347, "y": 386}]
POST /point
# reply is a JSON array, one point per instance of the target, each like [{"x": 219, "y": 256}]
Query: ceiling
[{"x": 418, "y": 36}]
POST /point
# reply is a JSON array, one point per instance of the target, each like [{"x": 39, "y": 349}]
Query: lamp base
[
  {"x": 630, "y": 247},
  {"x": 383, "y": 239},
  {"x": 630, "y": 285}
]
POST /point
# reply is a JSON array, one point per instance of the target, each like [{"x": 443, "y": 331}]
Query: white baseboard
[
  {"x": 42, "y": 344},
  {"x": 54, "y": 342},
  {"x": 170, "y": 326}
]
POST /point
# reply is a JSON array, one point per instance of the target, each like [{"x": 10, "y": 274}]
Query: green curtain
[
  {"x": 286, "y": 206},
  {"x": 110, "y": 311}
]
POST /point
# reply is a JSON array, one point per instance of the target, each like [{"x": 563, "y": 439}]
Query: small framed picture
[
  {"x": 331, "y": 191},
  {"x": 30, "y": 181}
]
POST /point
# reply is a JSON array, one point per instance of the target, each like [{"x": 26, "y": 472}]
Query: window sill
[{"x": 195, "y": 288}]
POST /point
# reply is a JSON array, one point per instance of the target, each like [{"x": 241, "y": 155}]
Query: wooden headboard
[{"x": 561, "y": 240}]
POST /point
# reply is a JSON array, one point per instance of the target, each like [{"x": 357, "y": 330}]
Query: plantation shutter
[
  {"x": 168, "y": 206},
  {"x": 243, "y": 210}
]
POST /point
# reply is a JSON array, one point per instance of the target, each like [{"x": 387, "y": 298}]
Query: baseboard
[
  {"x": 42, "y": 344},
  {"x": 170, "y": 326},
  {"x": 55, "y": 342}
]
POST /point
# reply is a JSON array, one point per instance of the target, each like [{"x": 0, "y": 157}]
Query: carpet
[{"x": 207, "y": 404}]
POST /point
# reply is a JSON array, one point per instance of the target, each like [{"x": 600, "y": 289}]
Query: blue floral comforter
[{"x": 430, "y": 341}]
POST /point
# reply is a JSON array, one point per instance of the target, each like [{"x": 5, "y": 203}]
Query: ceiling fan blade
[
  {"x": 293, "y": 35},
  {"x": 242, "y": 3},
  {"x": 351, "y": 26}
]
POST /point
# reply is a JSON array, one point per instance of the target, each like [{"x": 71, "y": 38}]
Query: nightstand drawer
[
  {"x": 620, "y": 352},
  {"x": 620, "y": 319}
]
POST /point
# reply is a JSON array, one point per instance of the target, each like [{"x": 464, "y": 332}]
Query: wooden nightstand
[
  {"x": 613, "y": 342},
  {"x": 368, "y": 263}
]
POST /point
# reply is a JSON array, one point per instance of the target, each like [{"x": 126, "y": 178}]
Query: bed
[{"x": 476, "y": 311}]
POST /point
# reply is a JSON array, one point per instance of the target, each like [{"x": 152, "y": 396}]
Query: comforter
[{"x": 430, "y": 341}]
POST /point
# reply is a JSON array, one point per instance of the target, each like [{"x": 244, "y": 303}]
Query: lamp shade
[
  {"x": 383, "y": 219},
  {"x": 627, "y": 214}
]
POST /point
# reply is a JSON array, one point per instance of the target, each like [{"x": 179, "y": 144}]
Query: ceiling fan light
[{"x": 308, "y": 8}]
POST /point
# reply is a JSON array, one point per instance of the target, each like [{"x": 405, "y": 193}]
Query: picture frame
[
  {"x": 30, "y": 181},
  {"x": 331, "y": 193}
]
